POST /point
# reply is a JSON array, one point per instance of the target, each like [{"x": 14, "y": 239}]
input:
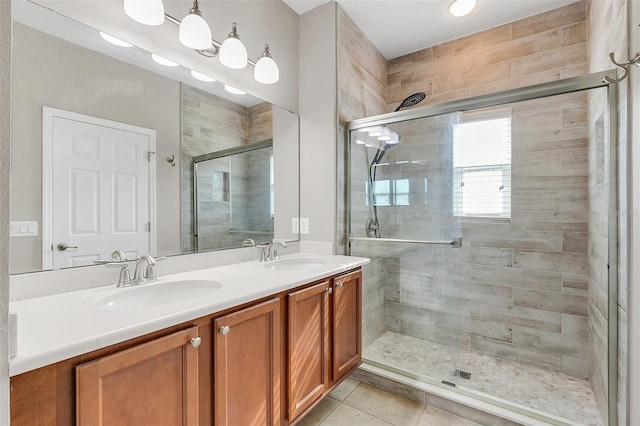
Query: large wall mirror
[{"x": 113, "y": 150}]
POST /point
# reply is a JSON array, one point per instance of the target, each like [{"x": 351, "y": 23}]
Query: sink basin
[
  {"x": 297, "y": 263},
  {"x": 152, "y": 295}
]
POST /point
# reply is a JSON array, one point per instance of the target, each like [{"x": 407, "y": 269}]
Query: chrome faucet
[
  {"x": 149, "y": 275},
  {"x": 270, "y": 250}
]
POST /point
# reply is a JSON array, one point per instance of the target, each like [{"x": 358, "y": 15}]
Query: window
[
  {"x": 482, "y": 168},
  {"x": 390, "y": 192}
]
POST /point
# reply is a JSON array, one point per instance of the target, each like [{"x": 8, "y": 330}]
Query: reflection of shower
[{"x": 388, "y": 140}]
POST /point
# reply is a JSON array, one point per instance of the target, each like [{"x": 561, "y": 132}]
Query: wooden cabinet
[
  {"x": 324, "y": 338},
  {"x": 247, "y": 366},
  {"x": 308, "y": 341},
  {"x": 347, "y": 323},
  {"x": 153, "y": 383}
]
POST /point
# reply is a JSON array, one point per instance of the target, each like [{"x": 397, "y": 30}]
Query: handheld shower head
[{"x": 412, "y": 100}]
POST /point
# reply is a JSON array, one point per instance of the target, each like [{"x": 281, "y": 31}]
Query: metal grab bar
[{"x": 454, "y": 243}]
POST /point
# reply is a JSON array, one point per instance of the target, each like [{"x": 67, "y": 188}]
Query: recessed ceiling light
[
  {"x": 111, "y": 39},
  {"x": 460, "y": 8},
  {"x": 202, "y": 77},
  {"x": 233, "y": 90},
  {"x": 163, "y": 61}
]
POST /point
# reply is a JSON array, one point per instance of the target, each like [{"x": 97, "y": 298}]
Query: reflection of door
[{"x": 98, "y": 189}]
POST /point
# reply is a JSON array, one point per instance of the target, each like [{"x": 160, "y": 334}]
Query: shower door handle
[{"x": 454, "y": 243}]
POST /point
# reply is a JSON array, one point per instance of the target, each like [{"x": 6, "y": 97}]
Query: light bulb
[
  {"x": 233, "y": 54},
  {"x": 460, "y": 8},
  {"x": 266, "y": 70},
  {"x": 202, "y": 77},
  {"x": 375, "y": 131},
  {"x": 163, "y": 61},
  {"x": 233, "y": 90},
  {"x": 394, "y": 140},
  {"x": 115, "y": 41},
  {"x": 194, "y": 32},
  {"x": 148, "y": 12}
]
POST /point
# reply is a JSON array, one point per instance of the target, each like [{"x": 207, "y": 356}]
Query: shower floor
[{"x": 555, "y": 393}]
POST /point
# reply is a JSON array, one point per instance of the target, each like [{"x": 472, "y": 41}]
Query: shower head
[{"x": 412, "y": 100}]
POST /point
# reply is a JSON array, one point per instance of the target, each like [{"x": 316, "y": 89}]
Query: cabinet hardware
[
  {"x": 225, "y": 330},
  {"x": 195, "y": 342},
  {"x": 339, "y": 285},
  {"x": 329, "y": 290}
]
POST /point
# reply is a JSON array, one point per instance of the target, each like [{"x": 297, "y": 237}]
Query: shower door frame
[{"x": 558, "y": 87}]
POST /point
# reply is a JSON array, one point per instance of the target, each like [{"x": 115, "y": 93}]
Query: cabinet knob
[
  {"x": 339, "y": 285},
  {"x": 329, "y": 290},
  {"x": 225, "y": 330},
  {"x": 195, "y": 342}
]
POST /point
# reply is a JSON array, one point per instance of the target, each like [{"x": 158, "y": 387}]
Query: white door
[{"x": 99, "y": 188}]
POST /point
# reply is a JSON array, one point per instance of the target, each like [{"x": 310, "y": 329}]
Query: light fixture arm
[
  {"x": 215, "y": 45},
  {"x": 195, "y": 9}
]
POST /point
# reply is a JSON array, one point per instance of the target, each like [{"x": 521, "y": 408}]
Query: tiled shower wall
[
  {"x": 210, "y": 124},
  {"x": 607, "y": 26}
]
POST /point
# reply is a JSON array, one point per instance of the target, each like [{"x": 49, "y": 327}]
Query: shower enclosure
[{"x": 493, "y": 249}]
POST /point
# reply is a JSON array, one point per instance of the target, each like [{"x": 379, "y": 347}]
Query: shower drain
[{"x": 462, "y": 374}]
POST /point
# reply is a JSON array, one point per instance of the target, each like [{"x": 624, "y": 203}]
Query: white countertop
[{"x": 57, "y": 327}]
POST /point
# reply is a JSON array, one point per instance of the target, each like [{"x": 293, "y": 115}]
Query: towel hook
[
  {"x": 625, "y": 67},
  {"x": 172, "y": 160}
]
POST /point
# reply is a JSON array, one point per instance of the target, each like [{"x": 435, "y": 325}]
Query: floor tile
[
  {"x": 433, "y": 417},
  {"x": 384, "y": 405},
  {"x": 320, "y": 412},
  {"x": 346, "y": 415},
  {"x": 344, "y": 389}
]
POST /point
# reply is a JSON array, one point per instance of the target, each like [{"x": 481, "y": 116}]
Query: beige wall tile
[
  {"x": 547, "y": 301},
  {"x": 573, "y": 34},
  {"x": 552, "y": 59},
  {"x": 490, "y": 37},
  {"x": 564, "y": 16}
]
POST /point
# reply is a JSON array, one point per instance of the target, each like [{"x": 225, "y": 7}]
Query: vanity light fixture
[
  {"x": 233, "y": 90},
  {"x": 459, "y": 8},
  {"x": 233, "y": 54},
  {"x": 395, "y": 139},
  {"x": 385, "y": 135},
  {"x": 375, "y": 131},
  {"x": 194, "y": 33},
  {"x": 148, "y": 12},
  {"x": 202, "y": 77},
  {"x": 163, "y": 61},
  {"x": 360, "y": 142},
  {"x": 115, "y": 41}
]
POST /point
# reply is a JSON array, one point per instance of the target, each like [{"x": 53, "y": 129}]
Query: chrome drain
[{"x": 462, "y": 374}]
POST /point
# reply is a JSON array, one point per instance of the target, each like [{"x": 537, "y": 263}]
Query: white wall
[
  {"x": 5, "y": 145},
  {"x": 258, "y": 22},
  {"x": 634, "y": 195},
  {"x": 318, "y": 122}
]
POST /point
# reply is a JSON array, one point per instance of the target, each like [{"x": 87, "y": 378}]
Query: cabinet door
[
  {"x": 247, "y": 366},
  {"x": 347, "y": 323},
  {"x": 308, "y": 332},
  {"x": 155, "y": 383}
]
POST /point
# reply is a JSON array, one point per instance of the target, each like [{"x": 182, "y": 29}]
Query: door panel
[{"x": 347, "y": 320}]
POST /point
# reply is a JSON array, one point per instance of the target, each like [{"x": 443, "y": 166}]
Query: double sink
[{"x": 164, "y": 293}]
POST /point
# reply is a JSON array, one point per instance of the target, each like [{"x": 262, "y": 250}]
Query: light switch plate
[
  {"x": 295, "y": 225},
  {"x": 24, "y": 229},
  {"x": 304, "y": 225}
]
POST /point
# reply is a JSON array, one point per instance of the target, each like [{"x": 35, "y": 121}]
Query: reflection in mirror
[
  {"x": 69, "y": 67},
  {"x": 233, "y": 197}
]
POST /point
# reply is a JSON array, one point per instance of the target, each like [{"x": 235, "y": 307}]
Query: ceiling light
[
  {"x": 233, "y": 90},
  {"x": 148, "y": 12},
  {"x": 194, "y": 31},
  {"x": 202, "y": 77},
  {"x": 233, "y": 54},
  {"x": 163, "y": 61},
  {"x": 111, "y": 39},
  {"x": 460, "y": 8},
  {"x": 266, "y": 70}
]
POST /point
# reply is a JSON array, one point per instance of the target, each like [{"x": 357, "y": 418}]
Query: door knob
[
  {"x": 225, "y": 330},
  {"x": 195, "y": 342},
  {"x": 64, "y": 246}
]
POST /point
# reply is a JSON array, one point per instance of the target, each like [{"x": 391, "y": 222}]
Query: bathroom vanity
[{"x": 264, "y": 347}]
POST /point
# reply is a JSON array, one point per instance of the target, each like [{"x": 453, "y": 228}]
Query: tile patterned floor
[
  {"x": 355, "y": 403},
  {"x": 555, "y": 393}
]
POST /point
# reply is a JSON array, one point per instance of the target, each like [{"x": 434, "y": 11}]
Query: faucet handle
[
  {"x": 274, "y": 250},
  {"x": 125, "y": 277},
  {"x": 248, "y": 242}
]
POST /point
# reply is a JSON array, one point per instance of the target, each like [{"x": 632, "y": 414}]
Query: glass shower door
[{"x": 402, "y": 205}]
